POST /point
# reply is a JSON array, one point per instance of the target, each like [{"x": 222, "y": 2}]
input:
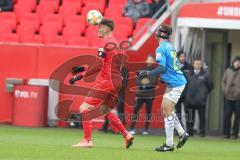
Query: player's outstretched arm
[
  {"x": 93, "y": 69},
  {"x": 157, "y": 71},
  {"x": 154, "y": 73}
]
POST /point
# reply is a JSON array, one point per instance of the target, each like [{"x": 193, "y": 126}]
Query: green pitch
[{"x": 55, "y": 144}]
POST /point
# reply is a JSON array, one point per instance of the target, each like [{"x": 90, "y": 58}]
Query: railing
[{"x": 152, "y": 28}]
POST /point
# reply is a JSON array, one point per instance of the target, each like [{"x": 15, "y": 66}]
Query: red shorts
[{"x": 104, "y": 91}]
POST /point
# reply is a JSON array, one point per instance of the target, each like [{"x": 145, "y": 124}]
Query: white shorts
[{"x": 174, "y": 94}]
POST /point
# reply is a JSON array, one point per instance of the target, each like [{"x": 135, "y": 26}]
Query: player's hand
[
  {"x": 74, "y": 79},
  {"x": 142, "y": 73},
  {"x": 77, "y": 69}
]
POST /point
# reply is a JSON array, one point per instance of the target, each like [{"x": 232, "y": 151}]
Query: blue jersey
[{"x": 166, "y": 56}]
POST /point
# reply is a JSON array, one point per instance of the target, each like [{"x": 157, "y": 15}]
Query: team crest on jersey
[{"x": 101, "y": 53}]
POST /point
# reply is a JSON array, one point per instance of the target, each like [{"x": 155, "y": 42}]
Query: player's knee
[
  {"x": 104, "y": 109},
  {"x": 166, "y": 111}
]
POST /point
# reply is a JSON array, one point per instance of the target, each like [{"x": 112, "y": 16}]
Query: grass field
[{"x": 55, "y": 144}]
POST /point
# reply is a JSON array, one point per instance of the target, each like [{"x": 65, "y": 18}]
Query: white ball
[{"x": 94, "y": 17}]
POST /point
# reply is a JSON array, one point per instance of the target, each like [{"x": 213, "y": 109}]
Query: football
[{"x": 94, "y": 17}]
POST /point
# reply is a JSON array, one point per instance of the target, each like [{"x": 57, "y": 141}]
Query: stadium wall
[{"x": 26, "y": 62}]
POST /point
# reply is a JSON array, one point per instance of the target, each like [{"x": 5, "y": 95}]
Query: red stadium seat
[
  {"x": 10, "y": 38},
  {"x": 94, "y": 42},
  {"x": 29, "y": 19},
  {"x": 142, "y": 21},
  {"x": 92, "y": 31},
  {"x": 78, "y": 20},
  {"x": 31, "y": 39},
  {"x": 121, "y": 28},
  {"x": 31, "y": 3},
  {"x": 25, "y": 29},
  {"x": 68, "y": 10},
  {"x": 118, "y": 1},
  {"x": 78, "y": 41},
  {"x": 8, "y": 17},
  {"x": 54, "y": 40},
  {"x": 126, "y": 21},
  {"x": 19, "y": 9},
  {"x": 43, "y": 10},
  {"x": 73, "y": 29},
  {"x": 5, "y": 28},
  {"x": 53, "y": 3},
  {"x": 55, "y": 19},
  {"x": 117, "y": 4},
  {"x": 49, "y": 29},
  {"x": 101, "y": 3},
  {"x": 74, "y": 19},
  {"x": 113, "y": 12},
  {"x": 92, "y": 6},
  {"x": 76, "y": 3}
]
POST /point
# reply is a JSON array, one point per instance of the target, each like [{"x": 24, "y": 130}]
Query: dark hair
[
  {"x": 164, "y": 31},
  {"x": 237, "y": 58},
  {"x": 179, "y": 53},
  {"x": 108, "y": 22}
]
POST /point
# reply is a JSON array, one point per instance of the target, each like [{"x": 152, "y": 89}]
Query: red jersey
[{"x": 113, "y": 60}]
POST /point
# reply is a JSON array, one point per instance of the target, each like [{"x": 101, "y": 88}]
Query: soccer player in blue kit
[{"x": 170, "y": 73}]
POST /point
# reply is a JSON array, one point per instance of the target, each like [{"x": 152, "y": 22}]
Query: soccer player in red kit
[{"x": 100, "y": 100}]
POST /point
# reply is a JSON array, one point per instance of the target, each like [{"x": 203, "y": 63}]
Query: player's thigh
[{"x": 170, "y": 99}]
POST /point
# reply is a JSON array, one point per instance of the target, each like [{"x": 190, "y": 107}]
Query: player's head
[
  {"x": 181, "y": 56},
  {"x": 150, "y": 60},
  {"x": 106, "y": 28},
  {"x": 163, "y": 32},
  {"x": 236, "y": 62},
  {"x": 197, "y": 64}
]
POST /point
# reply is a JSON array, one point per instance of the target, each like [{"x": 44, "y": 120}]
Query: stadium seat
[
  {"x": 25, "y": 29},
  {"x": 126, "y": 21},
  {"x": 113, "y": 12},
  {"x": 43, "y": 10},
  {"x": 121, "y": 28},
  {"x": 10, "y": 38},
  {"x": 31, "y": 39},
  {"x": 74, "y": 19},
  {"x": 94, "y": 42},
  {"x": 31, "y": 3},
  {"x": 142, "y": 21},
  {"x": 19, "y": 9},
  {"x": 119, "y": 3},
  {"x": 68, "y": 10},
  {"x": 53, "y": 3},
  {"x": 76, "y": 3},
  {"x": 49, "y": 29},
  {"x": 101, "y": 3},
  {"x": 92, "y": 6},
  {"x": 54, "y": 40},
  {"x": 78, "y": 41},
  {"x": 8, "y": 17},
  {"x": 29, "y": 19},
  {"x": 5, "y": 28},
  {"x": 92, "y": 31},
  {"x": 73, "y": 29},
  {"x": 55, "y": 19}
]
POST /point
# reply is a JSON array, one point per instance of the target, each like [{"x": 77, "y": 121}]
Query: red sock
[
  {"x": 117, "y": 123},
  {"x": 87, "y": 129}
]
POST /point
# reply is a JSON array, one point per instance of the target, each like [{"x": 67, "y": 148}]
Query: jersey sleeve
[{"x": 160, "y": 57}]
